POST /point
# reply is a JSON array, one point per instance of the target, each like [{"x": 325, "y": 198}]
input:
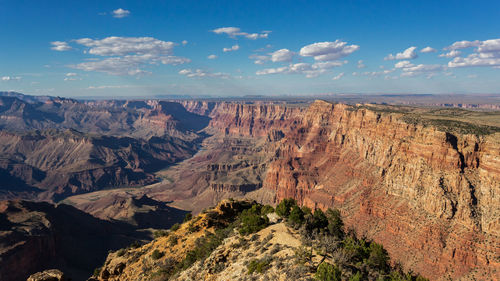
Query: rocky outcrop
[
  {"x": 48, "y": 275},
  {"x": 415, "y": 189}
]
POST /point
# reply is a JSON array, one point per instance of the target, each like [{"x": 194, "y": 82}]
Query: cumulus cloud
[
  {"x": 281, "y": 55},
  {"x": 451, "y": 54},
  {"x": 184, "y": 42},
  {"x": 11, "y": 78},
  {"x": 487, "y": 53},
  {"x": 338, "y": 76},
  {"x": 259, "y": 59},
  {"x": 120, "y": 13},
  {"x": 407, "y": 54},
  {"x": 403, "y": 64},
  {"x": 233, "y": 48},
  {"x": 200, "y": 73},
  {"x": 118, "y": 46},
  {"x": 60, "y": 46},
  {"x": 212, "y": 57},
  {"x": 127, "y": 55},
  {"x": 428, "y": 69},
  {"x": 307, "y": 69},
  {"x": 234, "y": 32},
  {"x": 361, "y": 64},
  {"x": 428, "y": 50},
  {"x": 463, "y": 45},
  {"x": 327, "y": 51},
  {"x": 71, "y": 76}
]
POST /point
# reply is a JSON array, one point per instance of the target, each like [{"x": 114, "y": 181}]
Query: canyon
[{"x": 423, "y": 182}]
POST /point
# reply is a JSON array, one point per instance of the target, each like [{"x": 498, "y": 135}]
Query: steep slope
[
  {"x": 413, "y": 188},
  {"x": 35, "y": 236}
]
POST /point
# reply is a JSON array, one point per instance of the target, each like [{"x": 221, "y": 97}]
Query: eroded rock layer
[{"x": 429, "y": 195}]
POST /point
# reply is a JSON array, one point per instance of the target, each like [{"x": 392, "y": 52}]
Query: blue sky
[{"x": 231, "y": 48}]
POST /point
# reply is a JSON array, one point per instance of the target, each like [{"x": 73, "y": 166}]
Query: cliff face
[
  {"x": 431, "y": 197},
  {"x": 238, "y": 119}
]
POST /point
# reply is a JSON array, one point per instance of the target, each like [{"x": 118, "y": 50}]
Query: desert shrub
[
  {"x": 303, "y": 255},
  {"x": 121, "y": 252},
  {"x": 266, "y": 210},
  {"x": 319, "y": 219},
  {"x": 356, "y": 277},
  {"x": 157, "y": 254},
  {"x": 160, "y": 233},
  {"x": 172, "y": 240},
  {"x": 378, "y": 257},
  {"x": 175, "y": 227},
  {"x": 356, "y": 250},
  {"x": 205, "y": 245},
  {"x": 252, "y": 220},
  {"x": 259, "y": 266},
  {"x": 296, "y": 217},
  {"x": 193, "y": 227},
  {"x": 285, "y": 206},
  {"x": 306, "y": 210},
  {"x": 328, "y": 272},
  {"x": 335, "y": 224},
  {"x": 188, "y": 217}
]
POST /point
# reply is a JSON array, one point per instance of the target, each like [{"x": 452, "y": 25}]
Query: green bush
[
  {"x": 378, "y": 257},
  {"x": 259, "y": 266},
  {"x": 252, "y": 220},
  {"x": 319, "y": 219},
  {"x": 328, "y": 272},
  {"x": 356, "y": 277},
  {"x": 335, "y": 224},
  {"x": 121, "y": 252},
  {"x": 172, "y": 240},
  {"x": 188, "y": 217},
  {"x": 266, "y": 210},
  {"x": 175, "y": 227},
  {"x": 160, "y": 233},
  {"x": 157, "y": 254},
  {"x": 284, "y": 207},
  {"x": 296, "y": 216}
]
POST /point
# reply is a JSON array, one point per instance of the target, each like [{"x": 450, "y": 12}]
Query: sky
[{"x": 237, "y": 48}]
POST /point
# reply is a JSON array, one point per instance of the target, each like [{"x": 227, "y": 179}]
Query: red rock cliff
[{"x": 430, "y": 197}]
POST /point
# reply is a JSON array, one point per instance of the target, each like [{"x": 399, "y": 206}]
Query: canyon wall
[{"x": 431, "y": 197}]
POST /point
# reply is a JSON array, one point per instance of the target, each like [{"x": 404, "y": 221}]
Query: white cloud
[
  {"x": 463, "y": 45},
  {"x": 11, "y": 78},
  {"x": 120, "y": 13},
  {"x": 403, "y": 64},
  {"x": 428, "y": 50},
  {"x": 233, "y": 48},
  {"x": 338, "y": 76},
  {"x": 119, "y": 46},
  {"x": 60, "y": 46},
  {"x": 199, "y": 73},
  {"x": 407, "y": 54},
  {"x": 69, "y": 74},
  {"x": 212, "y": 57},
  {"x": 282, "y": 55},
  {"x": 307, "y": 69},
  {"x": 486, "y": 54},
  {"x": 428, "y": 69},
  {"x": 326, "y": 51},
  {"x": 259, "y": 59},
  {"x": 127, "y": 55},
  {"x": 451, "y": 54},
  {"x": 361, "y": 64},
  {"x": 184, "y": 42},
  {"x": 234, "y": 32}
]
